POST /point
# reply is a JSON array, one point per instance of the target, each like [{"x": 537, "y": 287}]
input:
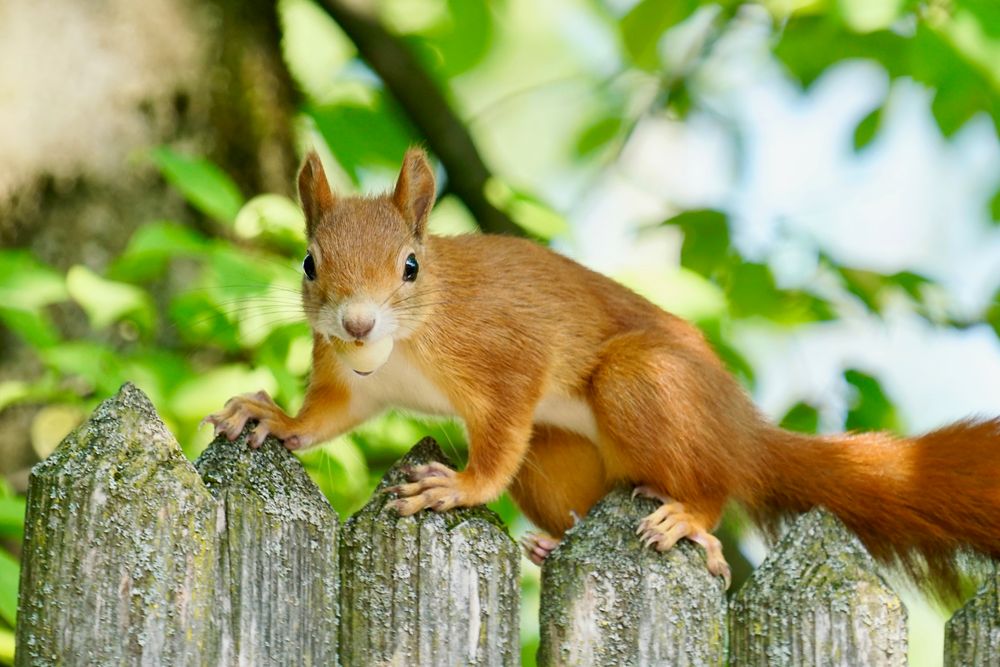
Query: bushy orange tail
[{"x": 914, "y": 502}]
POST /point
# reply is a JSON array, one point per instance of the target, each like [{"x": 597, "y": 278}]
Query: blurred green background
[{"x": 816, "y": 184}]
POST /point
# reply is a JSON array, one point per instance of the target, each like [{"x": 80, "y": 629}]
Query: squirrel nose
[{"x": 359, "y": 328}]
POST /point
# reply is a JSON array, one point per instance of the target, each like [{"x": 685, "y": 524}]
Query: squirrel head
[{"x": 364, "y": 274}]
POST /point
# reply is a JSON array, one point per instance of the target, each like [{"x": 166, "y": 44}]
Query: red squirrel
[{"x": 569, "y": 383}]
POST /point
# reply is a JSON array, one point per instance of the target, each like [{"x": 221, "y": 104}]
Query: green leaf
[
  {"x": 314, "y": 46},
  {"x": 871, "y": 409},
  {"x": 810, "y": 44},
  {"x": 802, "y": 418},
  {"x": 869, "y": 15},
  {"x": 340, "y": 471},
  {"x": 158, "y": 371},
  {"x": 28, "y": 284},
  {"x": 598, "y": 134},
  {"x": 199, "y": 320},
  {"x": 6, "y": 647},
  {"x": 706, "y": 240},
  {"x": 32, "y": 326},
  {"x": 752, "y": 291},
  {"x": 275, "y": 218},
  {"x": 527, "y": 211},
  {"x": 506, "y": 508},
  {"x": 459, "y": 41},
  {"x": 256, "y": 291},
  {"x": 449, "y": 217},
  {"x": 94, "y": 363},
  {"x": 871, "y": 287},
  {"x": 643, "y": 26},
  {"x": 10, "y": 576},
  {"x": 11, "y": 516},
  {"x": 203, "y": 184},
  {"x": 363, "y": 137},
  {"x": 12, "y": 391},
  {"x": 151, "y": 248},
  {"x": 995, "y": 208},
  {"x": 678, "y": 291},
  {"x": 205, "y": 393},
  {"x": 107, "y": 301},
  {"x": 866, "y": 130},
  {"x": 963, "y": 90}
]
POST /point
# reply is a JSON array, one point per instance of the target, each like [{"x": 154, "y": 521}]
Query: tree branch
[{"x": 425, "y": 104}]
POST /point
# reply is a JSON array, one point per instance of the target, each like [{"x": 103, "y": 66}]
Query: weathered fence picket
[
  {"x": 608, "y": 600},
  {"x": 817, "y": 600},
  {"x": 120, "y": 558},
  {"x": 429, "y": 589},
  {"x": 972, "y": 636},
  {"x": 278, "y": 583},
  {"x": 133, "y": 558}
]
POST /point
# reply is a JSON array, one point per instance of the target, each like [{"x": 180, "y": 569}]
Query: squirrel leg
[
  {"x": 497, "y": 446},
  {"x": 659, "y": 408},
  {"x": 560, "y": 480}
]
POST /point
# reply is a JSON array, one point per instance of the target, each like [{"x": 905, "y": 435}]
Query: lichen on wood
[
  {"x": 609, "y": 600},
  {"x": 279, "y": 576},
  {"x": 120, "y": 555},
  {"x": 817, "y": 600},
  {"x": 972, "y": 635},
  {"x": 430, "y": 589}
]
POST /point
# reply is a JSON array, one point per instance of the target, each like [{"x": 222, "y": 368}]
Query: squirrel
[{"x": 568, "y": 384}]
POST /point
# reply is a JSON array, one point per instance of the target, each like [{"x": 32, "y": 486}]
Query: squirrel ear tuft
[
  {"x": 314, "y": 191},
  {"x": 415, "y": 190}
]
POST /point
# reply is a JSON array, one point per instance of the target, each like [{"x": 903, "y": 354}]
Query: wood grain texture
[
  {"x": 972, "y": 635},
  {"x": 429, "y": 589},
  {"x": 279, "y": 576},
  {"x": 817, "y": 600},
  {"x": 120, "y": 552},
  {"x": 608, "y": 600}
]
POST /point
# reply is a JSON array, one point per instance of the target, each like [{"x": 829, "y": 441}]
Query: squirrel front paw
[
  {"x": 259, "y": 407},
  {"x": 434, "y": 486}
]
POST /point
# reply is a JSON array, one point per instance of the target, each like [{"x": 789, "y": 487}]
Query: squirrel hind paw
[
  {"x": 670, "y": 523},
  {"x": 538, "y": 546}
]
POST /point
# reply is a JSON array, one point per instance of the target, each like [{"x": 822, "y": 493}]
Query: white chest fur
[
  {"x": 401, "y": 384},
  {"x": 568, "y": 413}
]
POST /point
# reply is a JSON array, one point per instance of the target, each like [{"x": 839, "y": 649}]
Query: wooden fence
[{"x": 134, "y": 556}]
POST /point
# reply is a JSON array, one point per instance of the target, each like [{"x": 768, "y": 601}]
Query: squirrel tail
[{"x": 914, "y": 502}]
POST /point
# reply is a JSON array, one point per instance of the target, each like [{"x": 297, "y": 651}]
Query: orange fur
[
  {"x": 529, "y": 347},
  {"x": 561, "y": 478}
]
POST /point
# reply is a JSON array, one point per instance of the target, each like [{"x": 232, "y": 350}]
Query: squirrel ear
[
  {"x": 415, "y": 190},
  {"x": 314, "y": 191}
]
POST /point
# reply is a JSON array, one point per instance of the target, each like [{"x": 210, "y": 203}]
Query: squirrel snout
[{"x": 359, "y": 327}]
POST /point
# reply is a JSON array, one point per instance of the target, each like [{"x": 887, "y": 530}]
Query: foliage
[{"x": 196, "y": 312}]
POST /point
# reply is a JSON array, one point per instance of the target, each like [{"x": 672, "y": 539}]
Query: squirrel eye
[
  {"x": 410, "y": 268},
  {"x": 309, "y": 267}
]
